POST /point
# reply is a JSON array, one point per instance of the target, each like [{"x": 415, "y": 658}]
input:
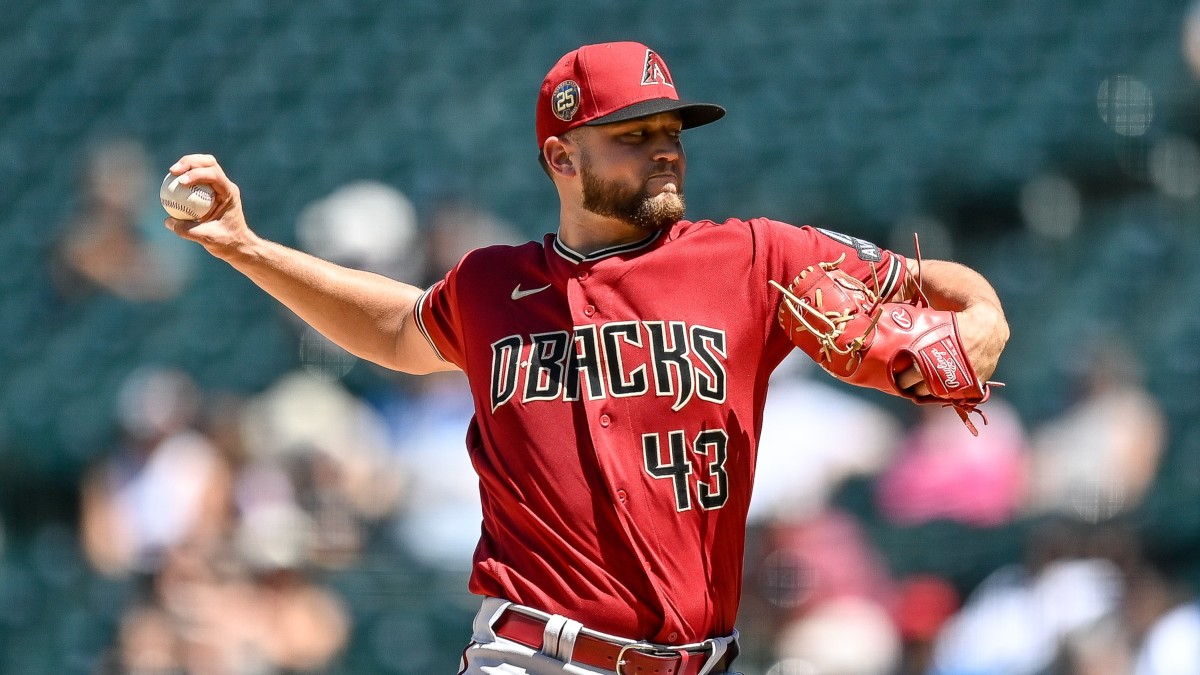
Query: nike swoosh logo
[{"x": 517, "y": 293}]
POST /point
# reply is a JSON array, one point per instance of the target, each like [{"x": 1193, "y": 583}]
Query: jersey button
[
  {"x": 673, "y": 636},
  {"x": 605, "y": 420},
  {"x": 589, "y": 310},
  {"x": 622, "y": 496},
  {"x": 582, "y": 276}
]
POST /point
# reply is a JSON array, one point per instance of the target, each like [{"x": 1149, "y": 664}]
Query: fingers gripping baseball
[
  {"x": 204, "y": 170},
  {"x": 223, "y": 228}
]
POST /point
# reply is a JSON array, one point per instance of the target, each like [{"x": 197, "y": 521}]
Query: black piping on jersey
[
  {"x": 421, "y": 322},
  {"x": 577, "y": 257},
  {"x": 891, "y": 278}
]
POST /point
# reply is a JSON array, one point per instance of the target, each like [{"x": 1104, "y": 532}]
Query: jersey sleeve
[
  {"x": 439, "y": 320},
  {"x": 791, "y": 249}
]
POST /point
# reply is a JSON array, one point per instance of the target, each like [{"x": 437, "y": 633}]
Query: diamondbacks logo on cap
[
  {"x": 565, "y": 100},
  {"x": 655, "y": 71}
]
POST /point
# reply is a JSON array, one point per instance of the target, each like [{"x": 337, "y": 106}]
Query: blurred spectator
[
  {"x": 439, "y": 520},
  {"x": 336, "y": 450},
  {"x": 408, "y": 460},
  {"x": 1163, "y": 618},
  {"x": 239, "y": 599},
  {"x": 824, "y": 558},
  {"x": 113, "y": 241},
  {"x": 232, "y": 615},
  {"x": 165, "y": 484},
  {"x": 848, "y": 636},
  {"x": 798, "y": 466},
  {"x": 297, "y": 624},
  {"x": 924, "y": 604},
  {"x": 1099, "y": 457},
  {"x": 366, "y": 225},
  {"x": 1019, "y": 619},
  {"x": 316, "y": 446},
  {"x": 1156, "y": 628},
  {"x": 824, "y": 593},
  {"x": 941, "y": 471},
  {"x": 818, "y": 584},
  {"x": 147, "y": 642}
]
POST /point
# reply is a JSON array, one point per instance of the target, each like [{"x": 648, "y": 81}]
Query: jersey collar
[{"x": 576, "y": 257}]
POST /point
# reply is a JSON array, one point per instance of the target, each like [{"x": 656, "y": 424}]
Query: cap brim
[{"x": 693, "y": 114}]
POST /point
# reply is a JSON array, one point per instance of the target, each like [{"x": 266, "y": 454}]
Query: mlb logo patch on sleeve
[{"x": 866, "y": 250}]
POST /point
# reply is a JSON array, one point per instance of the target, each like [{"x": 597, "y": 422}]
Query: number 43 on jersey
[{"x": 708, "y": 451}]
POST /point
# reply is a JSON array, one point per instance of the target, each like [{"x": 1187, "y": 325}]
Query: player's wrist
[{"x": 244, "y": 248}]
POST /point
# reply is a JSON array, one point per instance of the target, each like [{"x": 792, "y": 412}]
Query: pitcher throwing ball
[{"x": 618, "y": 369}]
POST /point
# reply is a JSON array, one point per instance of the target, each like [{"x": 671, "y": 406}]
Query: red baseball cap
[{"x": 612, "y": 82}]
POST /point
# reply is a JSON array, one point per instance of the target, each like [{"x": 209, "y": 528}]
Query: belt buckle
[{"x": 644, "y": 648}]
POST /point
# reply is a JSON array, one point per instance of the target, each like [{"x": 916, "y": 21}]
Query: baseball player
[{"x": 618, "y": 369}]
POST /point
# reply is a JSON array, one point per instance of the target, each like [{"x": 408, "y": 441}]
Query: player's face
[{"x": 633, "y": 171}]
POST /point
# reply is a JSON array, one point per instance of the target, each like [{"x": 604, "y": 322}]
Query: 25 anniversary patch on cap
[{"x": 565, "y": 100}]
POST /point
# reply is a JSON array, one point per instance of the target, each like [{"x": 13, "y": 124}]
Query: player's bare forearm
[
  {"x": 981, "y": 322},
  {"x": 366, "y": 314}
]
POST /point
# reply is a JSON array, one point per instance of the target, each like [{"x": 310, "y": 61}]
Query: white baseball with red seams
[{"x": 185, "y": 202}]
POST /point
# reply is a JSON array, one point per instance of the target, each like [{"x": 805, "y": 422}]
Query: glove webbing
[{"x": 832, "y": 324}]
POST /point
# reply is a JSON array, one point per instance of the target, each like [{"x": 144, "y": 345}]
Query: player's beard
[{"x": 631, "y": 204}]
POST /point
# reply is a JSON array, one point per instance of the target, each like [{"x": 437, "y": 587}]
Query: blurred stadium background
[{"x": 1051, "y": 144}]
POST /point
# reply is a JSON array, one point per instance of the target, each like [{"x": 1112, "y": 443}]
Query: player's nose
[{"x": 667, "y": 149}]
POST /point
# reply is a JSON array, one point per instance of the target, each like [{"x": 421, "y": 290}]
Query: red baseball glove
[{"x": 853, "y": 334}]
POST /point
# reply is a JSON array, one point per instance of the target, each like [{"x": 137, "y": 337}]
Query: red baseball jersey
[{"x": 618, "y": 401}]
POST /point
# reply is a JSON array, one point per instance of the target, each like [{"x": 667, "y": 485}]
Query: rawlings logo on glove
[{"x": 859, "y": 338}]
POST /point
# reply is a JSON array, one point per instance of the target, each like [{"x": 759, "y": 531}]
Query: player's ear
[{"x": 560, "y": 157}]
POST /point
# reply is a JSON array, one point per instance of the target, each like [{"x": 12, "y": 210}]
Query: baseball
[{"x": 185, "y": 202}]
